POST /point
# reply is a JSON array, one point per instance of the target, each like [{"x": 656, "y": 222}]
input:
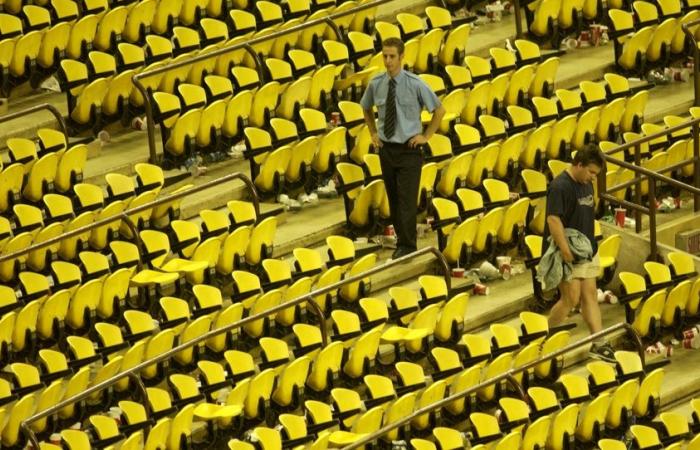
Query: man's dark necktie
[{"x": 390, "y": 116}]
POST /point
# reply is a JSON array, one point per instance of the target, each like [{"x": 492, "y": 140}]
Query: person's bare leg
[
  {"x": 570, "y": 293},
  {"x": 590, "y": 309}
]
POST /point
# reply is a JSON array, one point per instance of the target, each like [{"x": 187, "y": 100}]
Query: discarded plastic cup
[{"x": 620, "y": 215}]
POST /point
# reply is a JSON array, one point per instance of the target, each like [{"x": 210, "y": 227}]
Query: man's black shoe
[{"x": 401, "y": 251}]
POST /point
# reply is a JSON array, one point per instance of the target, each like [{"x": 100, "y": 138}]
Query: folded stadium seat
[
  {"x": 630, "y": 52},
  {"x": 519, "y": 86},
  {"x": 8, "y": 269},
  {"x": 214, "y": 224},
  {"x": 7, "y": 48},
  {"x": 11, "y": 185},
  {"x": 359, "y": 51},
  {"x": 527, "y": 52},
  {"x": 479, "y": 68},
  {"x": 608, "y": 250},
  {"x": 303, "y": 62},
  {"x": 658, "y": 143},
  {"x": 110, "y": 28},
  {"x": 264, "y": 104},
  {"x": 485, "y": 428},
  {"x": 659, "y": 50},
  {"x": 504, "y": 338},
  {"x": 592, "y": 422},
  {"x": 138, "y": 21},
  {"x": 331, "y": 146},
  {"x": 676, "y": 136},
  {"x": 542, "y": 82},
  {"x": 619, "y": 415},
  {"x": 53, "y": 45},
  {"x": 385, "y": 30},
  {"x": 535, "y": 186},
  {"x": 362, "y": 203},
  {"x": 22, "y": 151},
  {"x": 542, "y": 19},
  {"x": 157, "y": 48},
  {"x": 453, "y": 49},
  {"x": 22, "y": 61},
  {"x": 411, "y": 26},
  {"x": 559, "y": 146},
  {"x": 21, "y": 410},
  {"x": 180, "y": 129},
  {"x": 506, "y": 165},
  {"x": 497, "y": 94},
  {"x": 568, "y": 101},
  {"x": 70, "y": 168},
  {"x": 482, "y": 164},
  {"x": 11, "y": 26},
  {"x": 645, "y": 437},
  {"x": 280, "y": 71},
  {"x": 428, "y": 51},
  {"x": 82, "y": 34},
  {"x": 678, "y": 43},
  {"x": 511, "y": 229},
  {"x": 492, "y": 128},
  {"x": 439, "y": 150},
  {"x": 570, "y": 17},
  {"x": 185, "y": 40},
  {"x": 502, "y": 61},
  {"x": 191, "y": 96},
  {"x": 39, "y": 259},
  {"x": 363, "y": 146},
  {"x": 41, "y": 178},
  {"x": 352, "y": 117},
  {"x": 166, "y": 16},
  {"x": 498, "y": 366},
  {"x": 454, "y": 240},
  {"x": 217, "y": 88},
  {"x": 586, "y": 127},
  {"x": 115, "y": 102}
]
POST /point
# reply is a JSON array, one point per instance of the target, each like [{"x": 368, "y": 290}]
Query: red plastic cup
[
  {"x": 335, "y": 118},
  {"x": 458, "y": 272},
  {"x": 389, "y": 230},
  {"x": 620, "y": 215},
  {"x": 481, "y": 289}
]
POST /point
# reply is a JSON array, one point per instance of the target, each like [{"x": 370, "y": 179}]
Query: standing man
[
  {"x": 399, "y": 96},
  {"x": 570, "y": 204}
]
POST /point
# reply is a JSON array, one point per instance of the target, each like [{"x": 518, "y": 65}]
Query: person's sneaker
[{"x": 604, "y": 352}]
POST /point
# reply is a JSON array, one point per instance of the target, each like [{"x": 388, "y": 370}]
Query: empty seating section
[
  {"x": 649, "y": 35},
  {"x": 80, "y": 311}
]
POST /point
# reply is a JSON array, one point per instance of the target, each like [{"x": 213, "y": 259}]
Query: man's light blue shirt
[{"x": 412, "y": 95}]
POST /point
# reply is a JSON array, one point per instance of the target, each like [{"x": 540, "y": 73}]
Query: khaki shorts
[{"x": 588, "y": 269}]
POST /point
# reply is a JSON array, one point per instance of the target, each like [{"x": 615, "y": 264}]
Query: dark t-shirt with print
[{"x": 574, "y": 204}]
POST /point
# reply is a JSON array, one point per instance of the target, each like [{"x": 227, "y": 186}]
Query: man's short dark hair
[
  {"x": 590, "y": 154},
  {"x": 394, "y": 42}
]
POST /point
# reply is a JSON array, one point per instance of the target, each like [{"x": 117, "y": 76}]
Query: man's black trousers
[{"x": 401, "y": 169}]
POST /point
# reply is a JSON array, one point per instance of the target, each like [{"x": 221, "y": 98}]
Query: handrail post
[
  {"x": 690, "y": 36},
  {"x": 150, "y": 123},
  {"x": 696, "y": 163},
  {"x": 602, "y": 189},
  {"x": 638, "y": 189},
  {"x": 518, "y": 20},
  {"x": 321, "y": 319},
  {"x": 652, "y": 220}
]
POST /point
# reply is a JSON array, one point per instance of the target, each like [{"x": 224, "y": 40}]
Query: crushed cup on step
[
  {"x": 503, "y": 264},
  {"x": 489, "y": 271}
]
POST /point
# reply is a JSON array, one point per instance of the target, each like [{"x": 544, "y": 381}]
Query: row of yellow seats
[
  {"x": 662, "y": 299},
  {"x": 30, "y": 176},
  {"x": 550, "y": 18},
  {"x": 648, "y": 42}
]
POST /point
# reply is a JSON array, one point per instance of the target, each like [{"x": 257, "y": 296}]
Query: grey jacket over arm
[{"x": 552, "y": 269}]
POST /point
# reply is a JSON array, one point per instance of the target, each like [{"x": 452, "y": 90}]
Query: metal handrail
[
  {"x": 247, "y": 45},
  {"x": 32, "y": 109},
  {"x": 125, "y": 214},
  {"x": 504, "y": 376},
  {"x": 696, "y": 57},
  {"x": 185, "y": 345},
  {"x": 653, "y": 178}
]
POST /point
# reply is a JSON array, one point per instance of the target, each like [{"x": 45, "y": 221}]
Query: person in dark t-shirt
[{"x": 570, "y": 204}]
